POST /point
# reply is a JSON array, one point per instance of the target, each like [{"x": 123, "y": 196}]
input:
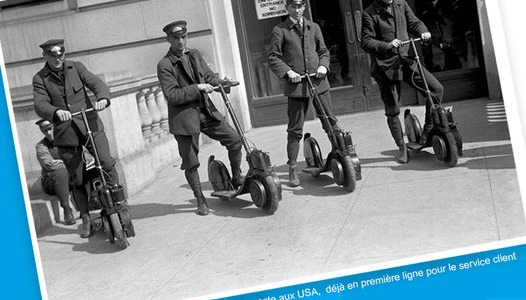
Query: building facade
[{"x": 122, "y": 41}]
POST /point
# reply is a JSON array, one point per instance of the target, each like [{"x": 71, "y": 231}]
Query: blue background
[
  {"x": 18, "y": 279},
  {"x": 503, "y": 280}
]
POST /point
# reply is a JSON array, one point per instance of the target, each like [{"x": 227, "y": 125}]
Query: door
[{"x": 353, "y": 89}]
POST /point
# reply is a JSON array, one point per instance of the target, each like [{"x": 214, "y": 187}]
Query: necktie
[{"x": 299, "y": 28}]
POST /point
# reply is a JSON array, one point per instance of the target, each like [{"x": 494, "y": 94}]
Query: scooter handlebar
[
  {"x": 409, "y": 41},
  {"x": 84, "y": 110},
  {"x": 309, "y": 75},
  {"x": 227, "y": 85}
]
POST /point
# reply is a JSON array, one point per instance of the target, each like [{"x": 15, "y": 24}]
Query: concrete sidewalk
[{"x": 396, "y": 211}]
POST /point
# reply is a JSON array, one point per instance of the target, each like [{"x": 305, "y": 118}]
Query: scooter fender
[
  {"x": 218, "y": 175},
  {"x": 312, "y": 152}
]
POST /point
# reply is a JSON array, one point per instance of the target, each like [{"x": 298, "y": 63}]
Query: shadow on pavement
[
  {"x": 321, "y": 186},
  {"x": 150, "y": 210},
  {"x": 59, "y": 230},
  {"x": 96, "y": 244},
  {"x": 236, "y": 208}
]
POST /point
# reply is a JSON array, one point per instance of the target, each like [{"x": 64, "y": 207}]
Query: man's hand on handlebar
[
  {"x": 321, "y": 72},
  {"x": 396, "y": 43},
  {"x": 101, "y": 104},
  {"x": 205, "y": 87},
  {"x": 63, "y": 115},
  {"x": 293, "y": 76},
  {"x": 426, "y": 36},
  {"x": 228, "y": 82}
]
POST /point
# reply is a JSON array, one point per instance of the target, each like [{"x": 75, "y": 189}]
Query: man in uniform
[
  {"x": 55, "y": 178},
  {"x": 386, "y": 23},
  {"x": 297, "y": 48},
  {"x": 186, "y": 80},
  {"x": 59, "y": 90}
]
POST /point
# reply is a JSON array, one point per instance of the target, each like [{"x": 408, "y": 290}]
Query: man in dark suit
[
  {"x": 59, "y": 90},
  {"x": 297, "y": 48},
  {"x": 55, "y": 177},
  {"x": 186, "y": 80},
  {"x": 385, "y": 24}
]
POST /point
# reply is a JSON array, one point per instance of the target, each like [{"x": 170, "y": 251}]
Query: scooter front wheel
[
  {"x": 120, "y": 235},
  {"x": 451, "y": 158},
  {"x": 107, "y": 227},
  {"x": 273, "y": 191},
  {"x": 349, "y": 183}
]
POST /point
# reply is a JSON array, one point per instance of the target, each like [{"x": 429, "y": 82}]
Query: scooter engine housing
[{"x": 259, "y": 160}]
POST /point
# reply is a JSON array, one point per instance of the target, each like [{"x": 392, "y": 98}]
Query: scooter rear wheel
[
  {"x": 349, "y": 174},
  {"x": 120, "y": 235}
]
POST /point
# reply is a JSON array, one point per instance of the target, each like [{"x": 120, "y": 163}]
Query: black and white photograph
[{"x": 204, "y": 148}]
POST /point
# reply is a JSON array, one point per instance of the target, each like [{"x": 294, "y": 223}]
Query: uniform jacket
[
  {"x": 289, "y": 51},
  {"x": 51, "y": 94},
  {"x": 179, "y": 86},
  {"x": 48, "y": 157},
  {"x": 379, "y": 28}
]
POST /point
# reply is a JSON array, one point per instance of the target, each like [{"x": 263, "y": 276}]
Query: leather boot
[
  {"x": 237, "y": 178},
  {"x": 235, "y": 164},
  {"x": 202, "y": 206},
  {"x": 86, "y": 229},
  {"x": 192, "y": 176},
  {"x": 403, "y": 156},
  {"x": 68, "y": 216},
  {"x": 428, "y": 125},
  {"x": 395, "y": 126},
  {"x": 294, "y": 180}
]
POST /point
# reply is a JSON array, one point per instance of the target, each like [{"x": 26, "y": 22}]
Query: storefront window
[
  {"x": 264, "y": 82},
  {"x": 454, "y": 27}
]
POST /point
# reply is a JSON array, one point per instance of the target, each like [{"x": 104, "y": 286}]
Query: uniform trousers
[
  {"x": 218, "y": 130},
  {"x": 296, "y": 110},
  {"x": 56, "y": 183},
  {"x": 73, "y": 159}
]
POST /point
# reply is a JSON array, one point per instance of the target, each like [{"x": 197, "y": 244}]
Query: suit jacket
[
  {"x": 379, "y": 28},
  {"x": 185, "y": 101},
  {"x": 288, "y": 51},
  {"x": 50, "y": 94}
]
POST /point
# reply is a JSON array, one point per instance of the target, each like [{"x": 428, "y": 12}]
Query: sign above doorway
[{"x": 270, "y": 8}]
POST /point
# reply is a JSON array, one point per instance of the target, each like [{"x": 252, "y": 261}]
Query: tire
[
  {"x": 312, "y": 152},
  {"x": 413, "y": 128},
  {"x": 120, "y": 235},
  {"x": 107, "y": 228},
  {"x": 273, "y": 195},
  {"x": 452, "y": 150},
  {"x": 350, "y": 175}
]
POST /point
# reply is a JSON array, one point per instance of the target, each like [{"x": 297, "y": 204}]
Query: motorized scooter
[
  {"x": 342, "y": 161},
  {"x": 115, "y": 211},
  {"x": 261, "y": 180},
  {"x": 444, "y": 136}
]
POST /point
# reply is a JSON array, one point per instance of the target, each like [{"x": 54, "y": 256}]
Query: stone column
[
  {"x": 155, "y": 113},
  {"x": 144, "y": 113},
  {"x": 163, "y": 108}
]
